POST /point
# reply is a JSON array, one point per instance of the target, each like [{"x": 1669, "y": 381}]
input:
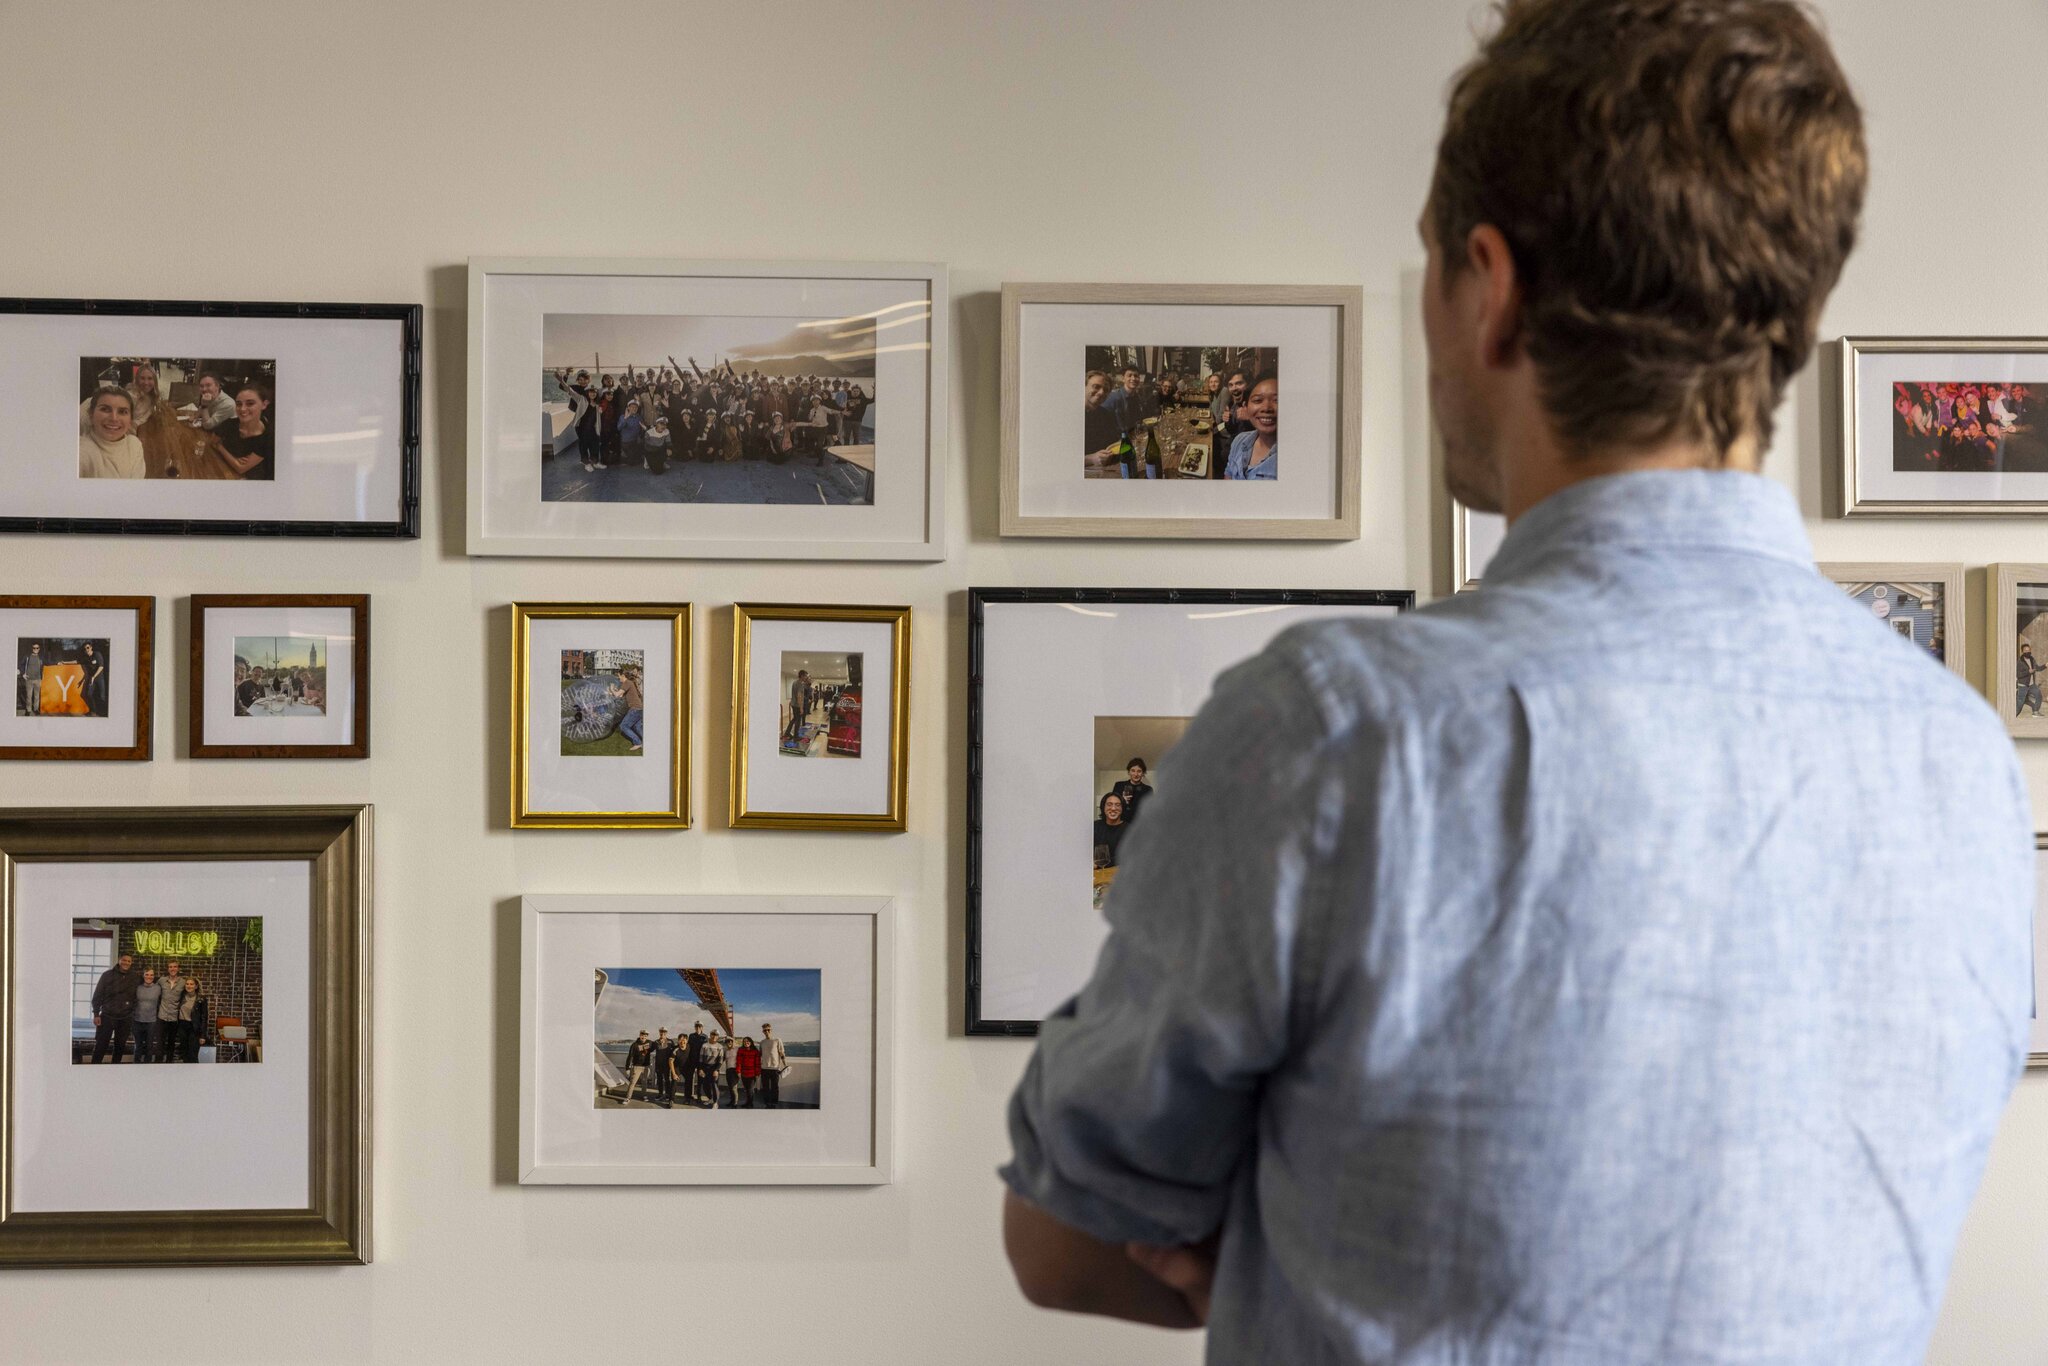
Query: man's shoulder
[{"x": 1386, "y": 671}]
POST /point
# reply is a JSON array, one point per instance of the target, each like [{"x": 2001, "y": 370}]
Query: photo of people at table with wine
[
  {"x": 1127, "y": 753},
  {"x": 143, "y": 417},
  {"x": 1181, "y": 412},
  {"x": 281, "y": 675}
]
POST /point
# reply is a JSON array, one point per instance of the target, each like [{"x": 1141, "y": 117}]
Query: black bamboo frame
[
  {"x": 978, "y": 600},
  {"x": 405, "y": 519}
]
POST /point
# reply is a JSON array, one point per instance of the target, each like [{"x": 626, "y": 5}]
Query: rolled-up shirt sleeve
[{"x": 1140, "y": 1100}]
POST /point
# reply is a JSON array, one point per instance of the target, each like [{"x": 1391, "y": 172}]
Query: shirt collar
[{"x": 1727, "y": 510}]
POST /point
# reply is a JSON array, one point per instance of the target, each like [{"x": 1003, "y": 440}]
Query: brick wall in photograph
[{"x": 232, "y": 975}]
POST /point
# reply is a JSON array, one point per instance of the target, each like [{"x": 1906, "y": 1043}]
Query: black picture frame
[
  {"x": 978, "y": 600},
  {"x": 404, "y": 521}
]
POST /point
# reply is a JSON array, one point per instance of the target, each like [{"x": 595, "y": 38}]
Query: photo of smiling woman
[
  {"x": 1255, "y": 454},
  {"x": 108, "y": 448},
  {"x": 142, "y": 417}
]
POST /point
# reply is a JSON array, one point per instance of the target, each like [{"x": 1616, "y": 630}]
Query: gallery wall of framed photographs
[{"x": 1076, "y": 194}]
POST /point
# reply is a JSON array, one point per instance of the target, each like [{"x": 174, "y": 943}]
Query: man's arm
[
  {"x": 1059, "y": 1267},
  {"x": 1130, "y": 1125}
]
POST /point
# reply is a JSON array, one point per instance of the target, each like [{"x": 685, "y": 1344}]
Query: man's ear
[{"x": 1498, "y": 296}]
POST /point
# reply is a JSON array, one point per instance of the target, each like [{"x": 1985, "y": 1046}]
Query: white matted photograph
[
  {"x": 1920, "y": 603},
  {"x": 694, "y": 409},
  {"x": 1953, "y": 426},
  {"x": 641, "y": 1063},
  {"x": 83, "y": 677},
  {"x": 1154, "y": 411},
  {"x": 227, "y": 419},
  {"x": 600, "y": 715},
  {"x": 278, "y": 676},
  {"x": 1077, "y": 698},
  {"x": 820, "y": 717}
]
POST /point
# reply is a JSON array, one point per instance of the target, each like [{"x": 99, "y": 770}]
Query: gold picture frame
[
  {"x": 676, "y": 814},
  {"x": 334, "y": 1228},
  {"x": 744, "y": 815}
]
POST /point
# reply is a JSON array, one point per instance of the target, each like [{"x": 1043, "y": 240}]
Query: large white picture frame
[
  {"x": 866, "y": 485},
  {"x": 842, "y": 1132}
]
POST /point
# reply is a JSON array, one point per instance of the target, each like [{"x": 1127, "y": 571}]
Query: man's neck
[{"x": 1544, "y": 467}]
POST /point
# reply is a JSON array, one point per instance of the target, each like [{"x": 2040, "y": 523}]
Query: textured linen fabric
[{"x": 1624, "y": 963}]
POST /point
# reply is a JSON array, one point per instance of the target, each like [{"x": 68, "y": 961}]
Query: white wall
[{"x": 361, "y": 151}]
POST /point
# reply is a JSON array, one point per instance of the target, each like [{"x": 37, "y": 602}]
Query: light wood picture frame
[
  {"x": 206, "y": 678},
  {"x": 1991, "y": 461},
  {"x": 877, "y": 802},
  {"x": 2037, "y": 1040},
  {"x": 564, "y": 937},
  {"x": 133, "y": 744},
  {"x": 530, "y": 784},
  {"x": 876, "y": 493},
  {"x": 2010, "y": 588},
  {"x": 1896, "y": 594},
  {"x": 1333, "y": 473},
  {"x": 334, "y": 845}
]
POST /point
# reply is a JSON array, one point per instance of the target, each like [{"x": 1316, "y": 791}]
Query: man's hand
[{"x": 1188, "y": 1271}]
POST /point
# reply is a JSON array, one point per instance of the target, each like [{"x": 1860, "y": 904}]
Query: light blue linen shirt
[
  {"x": 1238, "y": 465},
  {"x": 1624, "y": 963}
]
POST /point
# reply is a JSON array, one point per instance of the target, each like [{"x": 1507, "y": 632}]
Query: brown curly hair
[{"x": 1679, "y": 182}]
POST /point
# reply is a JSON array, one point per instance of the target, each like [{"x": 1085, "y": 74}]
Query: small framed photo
[
  {"x": 600, "y": 715},
  {"x": 186, "y": 1039},
  {"x": 731, "y": 1040},
  {"x": 1154, "y": 411},
  {"x": 1923, "y": 603},
  {"x": 1076, "y": 698},
  {"x": 84, "y": 677},
  {"x": 699, "y": 409},
  {"x": 280, "y": 676},
  {"x": 2019, "y": 647},
  {"x": 212, "y": 419},
  {"x": 820, "y": 717},
  {"x": 1944, "y": 425}
]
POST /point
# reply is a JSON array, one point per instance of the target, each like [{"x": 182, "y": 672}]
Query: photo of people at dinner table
[
  {"x": 142, "y": 417},
  {"x": 1181, "y": 412}
]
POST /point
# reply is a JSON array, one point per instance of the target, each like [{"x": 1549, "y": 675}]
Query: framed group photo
[
  {"x": 217, "y": 419},
  {"x": 724, "y": 410},
  {"x": 280, "y": 676},
  {"x": 820, "y": 717},
  {"x": 1154, "y": 410},
  {"x": 1922, "y": 603},
  {"x": 601, "y": 715},
  {"x": 185, "y": 1036},
  {"x": 1076, "y": 698},
  {"x": 706, "y": 1040},
  {"x": 83, "y": 677},
  {"x": 1943, "y": 425}
]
